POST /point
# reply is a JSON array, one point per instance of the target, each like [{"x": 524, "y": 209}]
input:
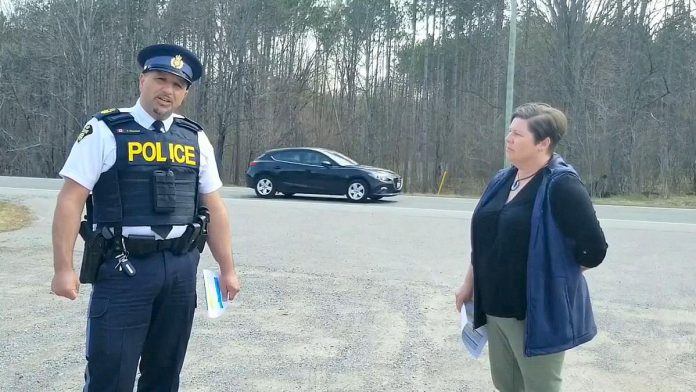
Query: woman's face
[{"x": 520, "y": 146}]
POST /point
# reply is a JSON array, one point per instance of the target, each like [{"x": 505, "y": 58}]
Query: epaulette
[
  {"x": 113, "y": 117},
  {"x": 105, "y": 113},
  {"x": 188, "y": 124}
]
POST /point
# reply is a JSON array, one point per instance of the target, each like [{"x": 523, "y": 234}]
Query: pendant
[{"x": 515, "y": 185}]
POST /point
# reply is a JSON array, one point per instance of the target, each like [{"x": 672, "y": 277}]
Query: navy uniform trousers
[{"x": 144, "y": 318}]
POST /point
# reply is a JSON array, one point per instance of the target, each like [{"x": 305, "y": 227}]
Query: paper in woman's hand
[{"x": 473, "y": 339}]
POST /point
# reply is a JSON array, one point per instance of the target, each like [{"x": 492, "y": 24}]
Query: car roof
[{"x": 318, "y": 149}]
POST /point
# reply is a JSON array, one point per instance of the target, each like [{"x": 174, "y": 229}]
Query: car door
[
  {"x": 288, "y": 171},
  {"x": 322, "y": 178}
]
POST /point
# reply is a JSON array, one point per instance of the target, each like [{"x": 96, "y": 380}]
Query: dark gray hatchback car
[{"x": 319, "y": 171}]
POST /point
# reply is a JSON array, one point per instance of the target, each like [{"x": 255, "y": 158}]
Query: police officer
[{"x": 149, "y": 172}]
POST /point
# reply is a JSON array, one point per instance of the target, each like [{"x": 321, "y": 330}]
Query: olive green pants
[{"x": 510, "y": 369}]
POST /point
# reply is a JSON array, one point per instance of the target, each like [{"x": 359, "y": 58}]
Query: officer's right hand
[{"x": 65, "y": 284}]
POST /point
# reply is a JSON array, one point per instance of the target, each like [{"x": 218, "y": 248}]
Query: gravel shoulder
[{"x": 339, "y": 297}]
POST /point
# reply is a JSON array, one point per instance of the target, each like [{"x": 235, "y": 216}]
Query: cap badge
[{"x": 177, "y": 62}]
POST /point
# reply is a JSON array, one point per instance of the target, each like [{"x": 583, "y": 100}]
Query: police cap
[{"x": 173, "y": 59}]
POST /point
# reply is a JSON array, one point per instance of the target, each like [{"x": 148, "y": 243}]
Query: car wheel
[
  {"x": 357, "y": 191},
  {"x": 376, "y": 197},
  {"x": 265, "y": 187},
  {"x": 288, "y": 194}
]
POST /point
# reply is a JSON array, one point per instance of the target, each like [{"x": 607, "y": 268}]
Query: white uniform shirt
[{"x": 95, "y": 153}]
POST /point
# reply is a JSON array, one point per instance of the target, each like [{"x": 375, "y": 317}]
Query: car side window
[
  {"x": 287, "y": 156},
  {"x": 312, "y": 158}
]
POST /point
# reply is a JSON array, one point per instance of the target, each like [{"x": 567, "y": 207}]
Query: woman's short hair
[{"x": 543, "y": 120}]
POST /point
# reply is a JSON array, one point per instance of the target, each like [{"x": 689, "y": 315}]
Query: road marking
[
  {"x": 29, "y": 189},
  {"x": 438, "y": 210}
]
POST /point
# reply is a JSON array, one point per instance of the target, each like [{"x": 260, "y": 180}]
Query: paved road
[
  {"x": 615, "y": 213},
  {"x": 344, "y": 297}
]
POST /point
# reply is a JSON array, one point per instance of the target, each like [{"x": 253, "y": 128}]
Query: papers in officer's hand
[
  {"x": 213, "y": 294},
  {"x": 473, "y": 339}
]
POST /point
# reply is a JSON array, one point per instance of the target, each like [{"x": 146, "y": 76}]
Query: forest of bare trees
[{"x": 413, "y": 85}]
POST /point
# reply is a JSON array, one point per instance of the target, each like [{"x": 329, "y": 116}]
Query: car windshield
[{"x": 339, "y": 158}]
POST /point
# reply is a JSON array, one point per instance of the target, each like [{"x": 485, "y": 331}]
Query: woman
[{"x": 533, "y": 233}]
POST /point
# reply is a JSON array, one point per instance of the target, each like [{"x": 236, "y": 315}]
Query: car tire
[
  {"x": 265, "y": 187},
  {"x": 376, "y": 197},
  {"x": 357, "y": 191}
]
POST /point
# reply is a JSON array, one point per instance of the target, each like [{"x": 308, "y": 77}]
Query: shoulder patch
[
  {"x": 188, "y": 124},
  {"x": 86, "y": 131}
]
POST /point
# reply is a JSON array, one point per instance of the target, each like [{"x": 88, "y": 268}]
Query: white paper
[
  {"x": 214, "y": 301},
  {"x": 473, "y": 339}
]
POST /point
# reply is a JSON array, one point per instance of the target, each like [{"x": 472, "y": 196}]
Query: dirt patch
[{"x": 14, "y": 216}]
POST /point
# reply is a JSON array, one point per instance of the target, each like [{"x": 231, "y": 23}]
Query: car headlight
[{"x": 380, "y": 176}]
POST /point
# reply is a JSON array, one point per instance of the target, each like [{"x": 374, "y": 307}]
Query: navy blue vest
[
  {"x": 559, "y": 310},
  {"x": 154, "y": 180}
]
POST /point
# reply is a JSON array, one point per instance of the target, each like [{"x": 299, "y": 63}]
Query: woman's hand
[{"x": 465, "y": 292}]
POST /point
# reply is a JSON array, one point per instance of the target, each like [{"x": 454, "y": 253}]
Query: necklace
[{"x": 516, "y": 183}]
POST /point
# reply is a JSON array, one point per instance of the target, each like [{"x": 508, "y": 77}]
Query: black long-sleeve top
[{"x": 501, "y": 233}]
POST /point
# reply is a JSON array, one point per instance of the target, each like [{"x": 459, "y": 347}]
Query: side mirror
[{"x": 326, "y": 163}]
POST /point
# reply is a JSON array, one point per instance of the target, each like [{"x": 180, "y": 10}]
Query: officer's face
[{"x": 161, "y": 93}]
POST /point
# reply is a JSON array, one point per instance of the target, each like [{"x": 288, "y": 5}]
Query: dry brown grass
[
  {"x": 14, "y": 216},
  {"x": 644, "y": 201}
]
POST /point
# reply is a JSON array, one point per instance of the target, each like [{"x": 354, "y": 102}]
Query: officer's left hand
[{"x": 229, "y": 284}]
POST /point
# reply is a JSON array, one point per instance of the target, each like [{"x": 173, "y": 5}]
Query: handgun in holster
[
  {"x": 195, "y": 235},
  {"x": 95, "y": 248},
  {"x": 203, "y": 218},
  {"x": 186, "y": 241}
]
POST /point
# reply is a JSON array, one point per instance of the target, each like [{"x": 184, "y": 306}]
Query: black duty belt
[
  {"x": 194, "y": 237},
  {"x": 147, "y": 245}
]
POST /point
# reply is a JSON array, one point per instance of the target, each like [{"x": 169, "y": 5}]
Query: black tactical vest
[{"x": 155, "y": 178}]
